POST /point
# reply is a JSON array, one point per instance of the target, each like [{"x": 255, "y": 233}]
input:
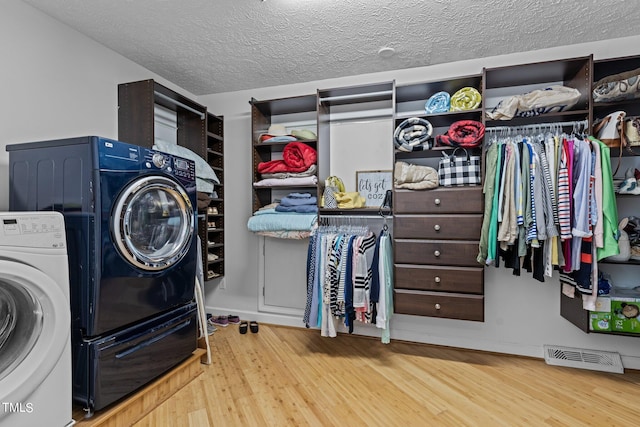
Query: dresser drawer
[
  {"x": 439, "y": 304},
  {"x": 438, "y": 252},
  {"x": 468, "y": 280},
  {"x": 460, "y": 227},
  {"x": 448, "y": 200}
]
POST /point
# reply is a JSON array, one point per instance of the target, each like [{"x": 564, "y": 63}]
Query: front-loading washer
[{"x": 35, "y": 321}]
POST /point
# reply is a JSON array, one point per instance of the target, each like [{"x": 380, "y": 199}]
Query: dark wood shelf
[{"x": 197, "y": 130}]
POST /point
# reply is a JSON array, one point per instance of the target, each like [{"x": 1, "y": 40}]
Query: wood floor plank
[{"x": 285, "y": 376}]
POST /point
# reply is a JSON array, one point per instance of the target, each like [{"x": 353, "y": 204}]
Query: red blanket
[
  {"x": 463, "y": 133},
  {"x": 296, "y": 157}
]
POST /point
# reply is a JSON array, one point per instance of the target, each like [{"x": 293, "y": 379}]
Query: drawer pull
[
  {"x": 436, "y": 227},
  {"x": 437, "y": 306},
  {"x": 437, "y": 201},
  {"x": 436, "y": 253},
  {"x": 437, "y": 279}
]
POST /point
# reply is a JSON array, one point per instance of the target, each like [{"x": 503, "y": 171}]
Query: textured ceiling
[{"x": 213, "y": 46}]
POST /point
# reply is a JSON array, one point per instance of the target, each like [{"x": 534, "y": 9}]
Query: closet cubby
[
  {"x": 608, "y": 67},
  {"x": 502, "y": 82},
  {"x": 196, "y": 130},
  {"x": 571, "y": 308},
  {"x": 435, "y": 269},
  {"x": 299, "y": 112},
  {"x": 348, "y": 120}
]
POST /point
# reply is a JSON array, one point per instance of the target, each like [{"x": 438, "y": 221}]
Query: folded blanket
[
  {"x": 285, "y": 234},
  {"x": 463, "y": 133},
  {"x": 299, "y": 208},
  {"x": 414, "y": 177},
  {"x": 413, "y": 134},
  {"x": 296, "y": 157},
  {"x": 293, "y": 200},
  {"x": 287, "y": 182},
  {"x": 311, "y": 171},
  {"x": 275, "y": 221}
]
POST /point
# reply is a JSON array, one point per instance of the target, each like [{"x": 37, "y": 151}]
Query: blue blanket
[{"x": 270, "y": 220}]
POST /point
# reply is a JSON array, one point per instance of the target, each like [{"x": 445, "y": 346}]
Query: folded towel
[
  {"x": 413, "y": 134},
  {"x": 440, "y": 102},
  {"x": 465, "y": 99},
  {"x": 297, "y": 208},
  {"x": 292, "y": 201}
]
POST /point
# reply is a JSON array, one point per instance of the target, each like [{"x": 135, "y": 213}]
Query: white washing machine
[{"x": 35, "y": 321}]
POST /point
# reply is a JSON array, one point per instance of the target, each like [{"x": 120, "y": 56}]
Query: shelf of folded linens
[{"x": 563, "y": 116}]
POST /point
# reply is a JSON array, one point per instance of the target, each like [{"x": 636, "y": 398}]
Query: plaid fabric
[{"x": 459, "y": 170}]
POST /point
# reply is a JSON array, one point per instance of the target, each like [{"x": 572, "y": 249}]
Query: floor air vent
[{"x": 585, "y": 359}]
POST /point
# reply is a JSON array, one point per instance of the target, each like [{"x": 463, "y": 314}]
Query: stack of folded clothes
[{"x": 298, "y": 202}]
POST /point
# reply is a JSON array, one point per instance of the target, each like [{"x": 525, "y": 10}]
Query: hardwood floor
[{"x": 294, "y": 377}]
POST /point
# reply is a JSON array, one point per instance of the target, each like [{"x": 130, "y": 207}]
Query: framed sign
[{"x": 372, "y": 185}]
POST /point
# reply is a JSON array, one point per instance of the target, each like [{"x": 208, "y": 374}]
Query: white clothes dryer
[{"x": 35, "y": 321}]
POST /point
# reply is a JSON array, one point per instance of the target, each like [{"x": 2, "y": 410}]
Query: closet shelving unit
[
  {"x": 435, "y": 269},
  {"x": 294, "y": 112},
  {"x": 136, "y": 120},
  {"x": 276, "y": 290},
  {"x": 571, "y": 308},
  {"x": 215, "y": 210},
  {"x": 345, "y": 103}
]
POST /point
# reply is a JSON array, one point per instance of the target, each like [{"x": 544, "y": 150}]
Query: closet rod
[
  {"x": 584, "y": 123},
  {"x": 179, "y": 104}
]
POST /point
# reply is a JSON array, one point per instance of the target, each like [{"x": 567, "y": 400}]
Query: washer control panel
[
  {"x": 176, "y": 166},
  {"x": 32, "y": 229}
]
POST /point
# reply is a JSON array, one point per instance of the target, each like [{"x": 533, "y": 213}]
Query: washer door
[
  {"x": 35, "y": 325},
  {"x": 153, "y": 223}
]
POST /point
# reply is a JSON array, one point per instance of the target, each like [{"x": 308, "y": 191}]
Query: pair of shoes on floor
[
  {"x": 224, "y": 321},
  {"x": 252, "y": 326}
]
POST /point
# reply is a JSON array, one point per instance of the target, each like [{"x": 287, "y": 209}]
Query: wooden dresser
[{"x": 436, "y": 237}]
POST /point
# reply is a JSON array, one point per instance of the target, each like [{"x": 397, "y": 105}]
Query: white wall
[
  {"x": 521, "y": 314},
  {"x": 56, "y": 83}
]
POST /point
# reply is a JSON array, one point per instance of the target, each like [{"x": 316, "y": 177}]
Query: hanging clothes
[
  {"x": 549, "y": 205},
  {"x": 349, "y": 278}
]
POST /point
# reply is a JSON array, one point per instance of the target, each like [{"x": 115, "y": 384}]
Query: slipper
[
  {"x": 253, "y": 325},
  {"x": 243, "y": 327}
]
